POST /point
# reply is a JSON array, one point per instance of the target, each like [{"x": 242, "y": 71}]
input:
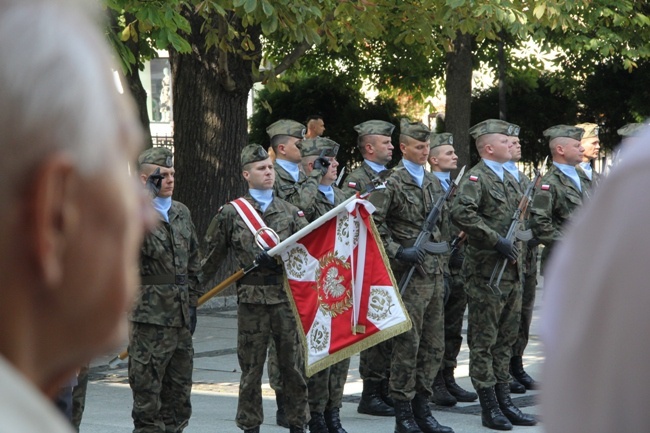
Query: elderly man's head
[{"x": 74, "y": 217}]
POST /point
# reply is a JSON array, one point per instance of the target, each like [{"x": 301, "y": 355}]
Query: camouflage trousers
[
  {"x": 326, "y": 387},
  {"x": 493, "y": 323},
  {"x": 527, "y": 306},
  {"x": 256, "y": 325},
  {"x": 418, "y": 352},
  {"x": 454, "y": 313},
  {"x": 79, "y": 396},
  {"x": 160, "y": 376},
  {"x": 374, "y": 362}
]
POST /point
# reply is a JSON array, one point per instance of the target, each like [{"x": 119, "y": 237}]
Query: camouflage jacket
[
  {"x": 553, "y": 205},
  {"x": 590, "y": 183},
  {"x": 358, "y": 179},
  {"x": 300, "y": 194},
  {"x": 229, "y": 231},
  {"x": 402, "y": 208},
  {"x": 170, "y": 251},
  {"x": 483, "y": 208},
  {"x": 322, "y": 205},
  {"x": 448, "y": 232}
]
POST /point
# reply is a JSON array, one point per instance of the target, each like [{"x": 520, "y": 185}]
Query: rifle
[
  {"x": 524, "y": 235},
  {"x": 377, "y": 183},
  {"x": 457, "y": 242},
  {"x": 427, "y": 228}
]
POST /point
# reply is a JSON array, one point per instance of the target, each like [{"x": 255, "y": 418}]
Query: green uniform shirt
[
  {"x": 300, "y": 194},
  {"x": 402, "y": 208},
  {"x": 229, "y": 231},
  {"x": 554, "y": 203},
  {"x": 483, "y": 208},
  {"x": 358, "y": 180},
  {"x": 170, "y": 250}
]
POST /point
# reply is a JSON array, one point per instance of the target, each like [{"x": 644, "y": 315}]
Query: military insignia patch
[
  {"x": 352, "y": 184},
  {"x": 301, "y": 213},
  {"x": 546, "y": 187},
  {"x": 473, "y": 178}
]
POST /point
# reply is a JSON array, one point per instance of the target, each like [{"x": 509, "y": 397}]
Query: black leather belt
[
  {"x": 261, "y": 280},
  {"x": 153, "y": 280}
]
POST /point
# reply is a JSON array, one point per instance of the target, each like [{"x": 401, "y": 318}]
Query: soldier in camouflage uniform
[
  {"x": 591, "y": 145},
  {"x": 446, "y": 392},
  {"x": 402, "y": 208},
  {"x": 326, "y": 386},
  {"x": 164, "y": 315},
  {"x": 562, "y": 189},
  {"x": 263, "y": 311},
  {"x": 483, "y": 207},
  {"x": 521, "y": 381},
  {"x": 291, "y": 184},
  {"x": 375, "y": 146}
]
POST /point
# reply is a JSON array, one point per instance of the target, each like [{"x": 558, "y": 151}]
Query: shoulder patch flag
[
  {"x": 546, "y": 187},
  {"x": 301, "y": 213},
  {"x": 352, "y": 184},
  {"x": 473, "y": 178}
]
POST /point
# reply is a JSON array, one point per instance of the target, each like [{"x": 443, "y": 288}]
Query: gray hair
[{"x": 57, "y": 90}]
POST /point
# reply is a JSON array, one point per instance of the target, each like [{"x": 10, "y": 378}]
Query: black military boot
[
  {"x": 280, "y": 416},
  {"x": 454, "y": 389},
  {"x": 512, "y": 412},
  {"x": 384, "y": 391},
  {"x": 404, "y": 421},
  {"x": 252, "y": 430},
  {"x": 491, "y": 415},
  {"x": 371, "y": 402},
  {"x": 516, "y": 387},
  {"x": 333, "y": 421},
  {"x": 423, "y": 417},
  {"x": 441, "y": 395},
  {"x": 517, "y": 371},
  {"x": 317, "y": 423}
]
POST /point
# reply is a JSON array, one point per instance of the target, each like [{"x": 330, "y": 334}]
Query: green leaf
[
  {"x": 267, "y": 8},
  {"x": 539, "y": 10},
  {"x": 250, "y": 5}
]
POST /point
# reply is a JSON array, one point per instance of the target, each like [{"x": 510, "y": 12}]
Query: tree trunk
[
  {"x": 140, "y": 96},
  {"x": 458, "y": 87},
  {"x": 503, "y": 103}
]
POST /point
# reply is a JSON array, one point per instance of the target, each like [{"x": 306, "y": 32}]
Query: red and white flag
[{"x": 342, "y": 289}]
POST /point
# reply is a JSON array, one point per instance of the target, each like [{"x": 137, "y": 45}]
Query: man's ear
[
  {"x": 282, "y": 149},
  {"x": 53, "y": 214}
]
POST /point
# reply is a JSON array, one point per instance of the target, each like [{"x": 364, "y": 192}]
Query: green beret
[
  {"x": 314, "y": 146},
  {"x": 514, "y": 131},
  {"x": 417, "y": 130},
  {"x": 441, "y": 140},
  {"x": 161, "y": 156},
  {"x": 630, "y": 130},
  {"x": 286, "y": 127},
  {"x": 492, "y": 126},
  {"x": 253, "y": 153},
  {"x": 564, "y": 131},
  {"x": 375, "y": 127},
  {"x": 591, "y": 130}
]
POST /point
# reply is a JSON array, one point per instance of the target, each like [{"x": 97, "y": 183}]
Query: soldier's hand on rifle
[
  {"x": 154, "y": 182},
  {"x": 263, "y": 260},
  {"x": 507, "y": 248},
  {"x": 456, "y": 260},
  {"x": 412, "y": 255},
  {"x": 533, "y": 243}
]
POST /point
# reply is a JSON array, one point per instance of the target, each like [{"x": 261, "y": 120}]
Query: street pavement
[{"x": 216, "y": 384}]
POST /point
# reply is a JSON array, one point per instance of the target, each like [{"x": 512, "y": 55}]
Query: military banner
[{"x": 342, "y": 289}]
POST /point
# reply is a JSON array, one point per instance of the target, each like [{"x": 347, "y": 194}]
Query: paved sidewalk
[{"x": 216, "y": 383}]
